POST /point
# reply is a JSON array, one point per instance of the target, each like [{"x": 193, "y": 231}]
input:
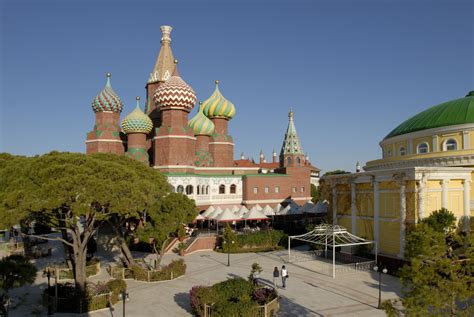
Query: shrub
[
  {"x": 262, "y": 238},
  {"x": 177, "y": 267},
  {"x": 199, "y": 296},
  {"x": 264, "y": 295}
]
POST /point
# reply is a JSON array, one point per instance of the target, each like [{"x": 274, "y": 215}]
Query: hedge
[
  {"x": 260, "y": 241},
  {"x": 233, "y": 297},
  {"x": 173, "y": 270}
]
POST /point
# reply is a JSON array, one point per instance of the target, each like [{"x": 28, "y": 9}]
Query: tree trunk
[
  {"x": 124, "y": 249},
  {"x": 80, "y": 277},
  {"x": 162, "y": 253}
]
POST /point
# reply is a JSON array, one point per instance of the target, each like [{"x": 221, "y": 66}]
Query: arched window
[
  {"x": 198, "y": 190},
  {"x": 451, "y": 145},
  {"x": 402, "y": 151},
  {"x": 289, "y": 160},
  {"x": 222, "y": 189},
  {"x": 298, "y": 161},
  {"x": 233, "y": 189},
  {"x": 189, "y": 190},
  {"x": 180, "y": 189},
  {"x": 207, "y": 190},
  {"x": 422, "y": 148}
]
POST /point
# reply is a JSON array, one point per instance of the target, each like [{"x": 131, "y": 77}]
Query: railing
[
  {"x": 68, "y": 274},
  {"x": 268, "y": 310},
  {"x": 143, "y": 276},
  {"x": 80, "y": 306}
]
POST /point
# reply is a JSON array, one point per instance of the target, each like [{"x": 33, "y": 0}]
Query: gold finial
[
  {"x": 137, "y": 97},
  {"x": 109, "y": 75},
  {"x": 291, "y": 113},
  {"x": 217, "y": 82},
  {"x": 176, "y": 61}
]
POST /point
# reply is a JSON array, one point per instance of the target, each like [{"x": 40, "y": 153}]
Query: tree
[
  {"x": 335, "y": 172},
  {"x": 314, "y": 194},
  {"x": 75, "y": 193},
  {"x": 229, "y": 239},
  {"x": 163, "y": 218},
  {"x": 16, "y": 271},
  {"x": 439, "y": 277}
]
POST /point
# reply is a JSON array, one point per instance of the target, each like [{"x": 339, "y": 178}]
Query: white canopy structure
[
  {"x": 278, "y": 208},
  {"x": 332, "y": 236},
  {"x": 268, "y": 211},
  {"x": 255, "y": 214},
  {"x": 208, "y": 211},
  {"x": 235, "y": 208},
  {"x": 199, "y": 217},
  {"x": 242, "y": 211},
  {"x": 258, "y": 207},
  {"x": 215, "y": 213},
  {"x": 285, "y": 211},
  {"x": 226, "y": 216}
]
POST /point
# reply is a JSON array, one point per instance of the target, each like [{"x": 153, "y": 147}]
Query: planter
[{"x": 181, "y": 252}]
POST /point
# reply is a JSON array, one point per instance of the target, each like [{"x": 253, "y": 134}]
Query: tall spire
[
  {"x": 164, "y": 65},
  {"x": 291, "y": 143}
]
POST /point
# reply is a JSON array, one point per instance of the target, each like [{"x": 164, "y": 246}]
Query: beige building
[{"x": 427, "y": 164}]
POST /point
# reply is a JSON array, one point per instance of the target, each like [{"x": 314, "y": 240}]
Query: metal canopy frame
[{"x": 332, "y": 236}]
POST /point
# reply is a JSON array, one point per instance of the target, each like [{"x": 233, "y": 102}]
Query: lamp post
[
  {"x": 125, "y": 298},
  {"x": 48, "y": 274},
  {"x": 384, "y": 271},
  {"x": 228, "y": 251}
]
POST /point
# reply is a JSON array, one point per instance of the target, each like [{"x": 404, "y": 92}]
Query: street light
[
  {"x": 124, "y": 297},
  {"x": 384, "y": 271},
  {"x": 228, "y": 252}
]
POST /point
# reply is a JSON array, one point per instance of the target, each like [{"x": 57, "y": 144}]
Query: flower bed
[
  {"x": 173, "y": 270},
  {"x": 234, "y": 297},
  {"x": 98, "y": 296}
]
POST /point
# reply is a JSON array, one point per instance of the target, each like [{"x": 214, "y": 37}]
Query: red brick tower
[
  {"x": 220, "y": 111},
  {"x": 161, "y": 72},
  {"x": 137, "y": 125},
  {"x": 203, "y": 128},
  {"x": 174, "y": 141},
  {"x": 105, "y": 137}
]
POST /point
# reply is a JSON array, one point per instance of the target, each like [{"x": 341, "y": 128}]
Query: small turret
[{"x": 358, "y": 168}]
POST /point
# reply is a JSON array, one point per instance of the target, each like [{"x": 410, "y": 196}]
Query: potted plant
[
  {"x": 181, "y": 233},
  {"x": 181, "y": 249}
]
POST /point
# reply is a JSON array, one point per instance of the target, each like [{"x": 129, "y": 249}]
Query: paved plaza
[{"x": 310, "y": 290}]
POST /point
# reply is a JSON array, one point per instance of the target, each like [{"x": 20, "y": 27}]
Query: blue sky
[{"x": 351, "y": 70}]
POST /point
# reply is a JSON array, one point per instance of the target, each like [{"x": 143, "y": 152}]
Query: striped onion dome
[
  {"x": 200, "y": 124},
  {"x": 175, "y": 93},
  {"x": 217, "y": 106},
  {"x": 137, "y": 121},
  {"x": 107, "y": 99}
]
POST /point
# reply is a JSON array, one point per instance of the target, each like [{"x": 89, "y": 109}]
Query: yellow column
[
  {"x": 444, "y": 193},
  {"x": 403, "y": 217},
  {"x": 467, "y": 204},
  {"x": 334, "y": 205},
  {"x": 353, "y": 209},
  {"x": 376, "y": 212}
]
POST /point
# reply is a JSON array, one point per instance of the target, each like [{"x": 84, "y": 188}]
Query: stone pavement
[{"x": 308, "y": 292}]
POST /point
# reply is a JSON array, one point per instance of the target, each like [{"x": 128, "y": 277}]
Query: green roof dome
[
  {"x": 217, "y": 106},
  {"x": 200, "y": 124},
  {"x": 454, "y": 112},
  {"x": 107, "y": 99},
  {"x": 137, "y": 121}
]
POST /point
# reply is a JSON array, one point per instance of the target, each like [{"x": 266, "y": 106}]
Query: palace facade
[
  {"x": 197, "y": 154},
  {"x": 427, "y": 164}
]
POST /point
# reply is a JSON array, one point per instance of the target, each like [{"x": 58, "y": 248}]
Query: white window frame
[{"x": 420, "y": 144}]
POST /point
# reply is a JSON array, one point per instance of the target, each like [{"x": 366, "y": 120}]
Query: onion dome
[
  {"x": 107, "y": 99},
  {"x": 137, "y": 121},
  {"x": 175, "y": 93},
  {"x": 454, "y": 112},
  {"x": 201, "y": 124},
  {"x": 217, "y": 106}
]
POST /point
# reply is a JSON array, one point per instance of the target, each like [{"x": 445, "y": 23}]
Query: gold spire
[{"x": 164, "y": 65}]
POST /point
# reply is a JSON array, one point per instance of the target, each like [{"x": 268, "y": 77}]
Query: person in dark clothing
[{"x": 276, "y": 275}]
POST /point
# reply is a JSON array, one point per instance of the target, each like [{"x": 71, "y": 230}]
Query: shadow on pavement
[
  {"x": 290, "y": 308},
  {"x": 182, "y": 299}
]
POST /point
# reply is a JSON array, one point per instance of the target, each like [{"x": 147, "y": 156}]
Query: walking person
[
  {"x": 284, "y": 276},
  {"x": 276, "y": 275}
]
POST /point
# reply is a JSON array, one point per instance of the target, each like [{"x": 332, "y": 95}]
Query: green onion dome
[
  {"x": 107, "y": 99},
  {"x": 201, "y": 124},
  {"x": 454, "y": 112},
  {"x": 137, "y": 121},
  {"x": 175, "y": 93},
  {"x": 217, "y": 106}
]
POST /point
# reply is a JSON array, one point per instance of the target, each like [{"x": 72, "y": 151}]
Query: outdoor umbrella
[{"x": 268, "y": 211}]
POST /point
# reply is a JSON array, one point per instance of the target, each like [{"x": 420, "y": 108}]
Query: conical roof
[
  {"x": 254, "y": 214},
  {"x": 107, "y": 99},
  {"x": 208, "y": 211},
  {"x": 217, "y": 106},
  {"x": 227, "y": 215},
  {"x": 175, "y": 93},
  {"x": 137, "y": 121},
  {"x": 268, "y": 211},
  {"x": 291, "y": 143},
  {"x": 201, "y": 124},
  {"x": 164, "y": 65}
]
